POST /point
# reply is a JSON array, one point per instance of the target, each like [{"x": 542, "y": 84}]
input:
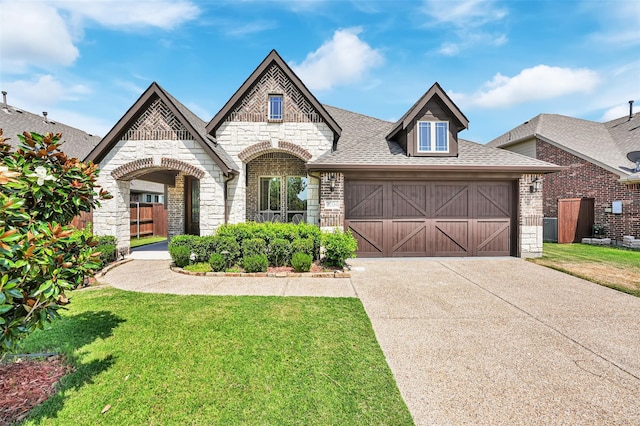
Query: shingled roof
[
  {"x": 603, "y": 144},
  {"x": 14, "y": 121},
  {"x": 363, "y": 145}
]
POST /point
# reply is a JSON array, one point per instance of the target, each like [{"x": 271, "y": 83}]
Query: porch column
[
  {"x": 175, "y": 207},
  {"x": 530, "y": 217},
  {"x": 112, "y": 218}
]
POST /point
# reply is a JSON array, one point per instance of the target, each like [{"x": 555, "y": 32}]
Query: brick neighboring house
[
  {"x": 596, "y": 165},
  {"x": 275, "y": 153}
]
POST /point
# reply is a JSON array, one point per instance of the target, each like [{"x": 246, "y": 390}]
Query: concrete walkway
[{"x": 472, "y": 341}]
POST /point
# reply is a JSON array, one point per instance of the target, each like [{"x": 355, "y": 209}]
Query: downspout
[{"x": 229, "y": 178}]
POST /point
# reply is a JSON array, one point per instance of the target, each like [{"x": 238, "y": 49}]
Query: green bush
[
  {"x": 203, "y": 247},
  {"x": 339, "y": 246},
  {"x": 107, "y": 253},
  {"x": 301, "y": 262},
  {"x": 217, "y": 262},
  {"x": 255, "y": 263},
  {"x": 228, "y": 247},
  {"x": 303, "y": 245},
  {"x": 279, "y": 252},
  {"x": 41, "y": 256},
  {"x": 253, "y": 246},
  {"x": 272, "y": 231},
  {"x": 183, "y": 240},
  {"x": 181, "y": 255}
]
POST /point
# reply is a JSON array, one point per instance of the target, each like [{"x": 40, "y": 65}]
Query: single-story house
[
  {"x": 275, "y": 153},
  {"x": 601, "y": 177}
]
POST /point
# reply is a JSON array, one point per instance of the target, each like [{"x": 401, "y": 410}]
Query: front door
[{"x": 192, "y": 205}]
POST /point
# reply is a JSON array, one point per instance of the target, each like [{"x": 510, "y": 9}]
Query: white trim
[
  {"x": 272, "y": 96},
  {"x": 433, "y": 135}
]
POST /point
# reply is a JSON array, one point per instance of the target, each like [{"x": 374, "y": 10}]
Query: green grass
[
  {"x": 198, "y": 267},
  {"x": 610, "y": 266},
  {"x": 204, "y": 360},
  {"x": 144, "y": 241}
]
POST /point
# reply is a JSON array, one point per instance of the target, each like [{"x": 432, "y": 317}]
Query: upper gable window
[
  {"x": 275, "y": 107},
  {"x": 433, "y": 136}
]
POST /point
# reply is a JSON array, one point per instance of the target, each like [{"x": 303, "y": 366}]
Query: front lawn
[
  {"x": 137, "y": 242},
  {"x": 165, "y": 359},
  {"x": 613, "y": 267}
]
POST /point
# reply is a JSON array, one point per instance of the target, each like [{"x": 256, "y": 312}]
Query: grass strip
[{"x": 166, "y": 359}]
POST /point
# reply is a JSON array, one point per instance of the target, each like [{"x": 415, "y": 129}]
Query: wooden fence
[
  {"x": 82, "y": 220},
  {"x": 148, "y": 219}
]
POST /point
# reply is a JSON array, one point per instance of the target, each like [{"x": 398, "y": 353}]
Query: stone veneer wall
[
  {"x": 331, "y": 202},
  {"x": 530, "y": 218},
  {"x": 113, "y": 217},
  {"x": 315, "y": 138}
]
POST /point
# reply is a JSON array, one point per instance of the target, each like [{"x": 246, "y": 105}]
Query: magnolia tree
[{"x": 41, "y": 190}]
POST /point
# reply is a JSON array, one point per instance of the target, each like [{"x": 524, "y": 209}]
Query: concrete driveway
[{"x": 504, "y": 341}]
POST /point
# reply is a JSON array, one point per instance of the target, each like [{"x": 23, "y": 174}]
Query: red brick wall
[{"x": 586, "y": 180}]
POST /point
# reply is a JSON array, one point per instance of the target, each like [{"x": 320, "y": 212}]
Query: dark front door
[
  {"x": 426, "y": 218},
  {"x": 192, "y": 205}
]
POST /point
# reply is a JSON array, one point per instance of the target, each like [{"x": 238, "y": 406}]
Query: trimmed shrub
[
  {"x": 303, "y": 245},
  {"x": 182, "y": 240},
  {"x": 217, "y": 262},
  {"x": 180, "y": 255},
  {"x": 301, "y": 262},
  {"x": 203, "y": 247},
  {"x": 228, "y": 247},
  {"x": 107, "y": 253},
  {"x": 279, "y": 252},
  {"x": 253, "y": 246},
  {"x": 339, "y": 246},
  {"x": 255, "y": 263}
]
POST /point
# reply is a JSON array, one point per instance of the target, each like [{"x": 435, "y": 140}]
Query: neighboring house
[
  {"x": 146, "y": 192},
  {"x": 274, "y": 153},
  {"x": 14, "y": 121},
  {"x": 597, "y": 167}
]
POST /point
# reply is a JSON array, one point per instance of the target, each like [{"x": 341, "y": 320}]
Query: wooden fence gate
[{"x": 148, "y": 219}]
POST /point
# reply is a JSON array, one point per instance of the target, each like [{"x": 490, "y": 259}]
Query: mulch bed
[{"x": 25, "y": 384}]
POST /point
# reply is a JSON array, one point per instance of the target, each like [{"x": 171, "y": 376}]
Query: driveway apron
[{"x": 503, "y": 341}]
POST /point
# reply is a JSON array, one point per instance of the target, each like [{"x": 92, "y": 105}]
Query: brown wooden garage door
[{"x": 428, "y": 218}]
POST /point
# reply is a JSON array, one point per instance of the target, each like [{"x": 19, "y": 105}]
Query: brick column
[
  {"x": 530, "y": 217},
  {"x": 175, "y": 207},
  {"x": 331, "y": 201}
]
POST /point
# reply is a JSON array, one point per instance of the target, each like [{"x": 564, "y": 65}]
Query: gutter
[
  {"x": 434, "y": 168},
  {"x": 229, "y": 178}
]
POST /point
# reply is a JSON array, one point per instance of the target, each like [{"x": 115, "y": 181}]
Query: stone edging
[
  {"x": 333, "y": 274},
  {"x": 101, "y": 273}
]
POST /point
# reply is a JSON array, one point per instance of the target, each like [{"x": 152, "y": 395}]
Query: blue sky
[{"x": 503, "y": 62}]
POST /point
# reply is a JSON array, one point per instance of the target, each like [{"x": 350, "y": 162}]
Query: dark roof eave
[{"x": 435, "y": 167}]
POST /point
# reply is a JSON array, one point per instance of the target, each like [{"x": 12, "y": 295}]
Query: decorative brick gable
[
  {"x": 157, "y": 122},
  {"x": 584, "y": 179},
  {"x": 253, "y": 106}
]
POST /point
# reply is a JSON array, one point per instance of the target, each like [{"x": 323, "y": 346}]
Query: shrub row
[{"x": 256, "y": 246}]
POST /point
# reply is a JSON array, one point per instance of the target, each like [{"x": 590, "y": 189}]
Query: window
[
  {"x": 433, "y": 136},
  {"x": 275, "y": 107},
  {"x": 148, "y": 198},
  {"x": 296, "y": 196},
  {"x": 156, "y": 198},
  {"x": 270, "y": 194}
]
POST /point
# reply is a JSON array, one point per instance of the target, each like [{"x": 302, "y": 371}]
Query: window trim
[
  {"x": 269, "y": 112},
  {"x": 433, "y": 125}
]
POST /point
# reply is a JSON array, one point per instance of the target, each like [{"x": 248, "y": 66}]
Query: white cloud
[
  {"x": 342, "y": 60},
  {"x": 463, "y": 13},
  {"x": 466, "y": 20},
  {"x": 615, "y": 112},
  {"x": 36, "y": 34},
  {"x": 42, "y": 92},
  {"x": 163, "y": 14},
  {"x": 533, "y": 84},
  {"x": 619, "y": 24}
]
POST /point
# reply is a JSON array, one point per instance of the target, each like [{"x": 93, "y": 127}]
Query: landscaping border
[{"x": 332, "y": 274}]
